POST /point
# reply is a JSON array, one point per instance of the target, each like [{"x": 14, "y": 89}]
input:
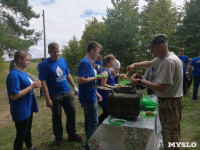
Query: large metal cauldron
[{"x": 124, "y": 102}]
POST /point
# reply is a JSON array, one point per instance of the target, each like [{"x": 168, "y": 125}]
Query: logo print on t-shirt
[
  {"x": 59, "y": 71},
  {"x": 60, "y": 74},
  {"x": 31, "y": 81}
]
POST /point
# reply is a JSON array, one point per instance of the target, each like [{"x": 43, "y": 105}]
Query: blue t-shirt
[
  {"x": 23, "y": 107},
  {"x": 87, "y": 92},
  {"x": 184, "y": 60},
  {"x": 196, "y": 65},
  {"x": 103, "y": 93},
  {"x": 99, "y": 64},
  {"x": 38, "y": 67},
  {"x": 55, "y": 74}
]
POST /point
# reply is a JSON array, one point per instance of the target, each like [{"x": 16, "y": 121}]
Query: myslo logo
[{"x": 182, "y": 144}]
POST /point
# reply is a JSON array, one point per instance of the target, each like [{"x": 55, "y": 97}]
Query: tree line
[{"x": 124, "y": 31}]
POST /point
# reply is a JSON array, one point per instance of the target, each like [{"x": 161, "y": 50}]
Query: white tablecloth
[{"x": 141, "y": 134}]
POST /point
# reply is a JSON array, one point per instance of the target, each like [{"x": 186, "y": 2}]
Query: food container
[{"x": 124, "y": 102}]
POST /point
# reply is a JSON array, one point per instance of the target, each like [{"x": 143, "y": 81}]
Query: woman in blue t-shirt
[
  {"x": 108, "y": 62},
  {"x": 20, "y": 88}
]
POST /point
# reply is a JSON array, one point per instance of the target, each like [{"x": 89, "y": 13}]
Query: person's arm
[
  {"x": 35, "y": 84},
  {"x": 155, "y": 86},
  {"x": 143, "y": 64},
  {"x": 70, "y": 80},
  {"x": 187, "y": 68},
  {"x": 82, "y": 80},
  {"x": 99, "y": 97},
  {"x": 45, "y": 90},
  {"x": 133, "y": 76},
  {"x": 103, "y": 83}
]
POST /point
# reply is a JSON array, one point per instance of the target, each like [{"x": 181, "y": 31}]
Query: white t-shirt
[
  {"x": 117, "y": 65},
  {"x": 170, "y": 72}
]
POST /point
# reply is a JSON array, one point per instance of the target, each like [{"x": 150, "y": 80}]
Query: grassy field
[{"x": 42, "y": 134}]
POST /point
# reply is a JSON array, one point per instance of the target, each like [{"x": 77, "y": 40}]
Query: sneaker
[
  {"x": 75, "y": 138},
  {"x": 59, "y": 143}
]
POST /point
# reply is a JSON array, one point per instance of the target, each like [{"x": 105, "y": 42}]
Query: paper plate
[
  {"x": 116, "y": 121},
  {"x": 100, "y": 75},
  {"x": 143, "y": 114},
  {"x": 125, "y": 82}
]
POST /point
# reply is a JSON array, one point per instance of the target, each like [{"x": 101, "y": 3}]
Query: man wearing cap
[
  {"x": 168, "y": 86},
  {"x": 185, "y": 64}
]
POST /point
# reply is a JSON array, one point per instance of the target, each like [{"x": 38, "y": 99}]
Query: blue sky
[{"x": 67, "y": 18}]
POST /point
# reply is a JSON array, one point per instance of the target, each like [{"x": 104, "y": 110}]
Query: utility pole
[{"x": 44, "y": 33}]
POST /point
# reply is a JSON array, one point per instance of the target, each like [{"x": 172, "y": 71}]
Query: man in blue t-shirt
[
  {"x": 55, "y": 75},
  {"x": 98, "y": 62},
  {"x": 38, "y": 68},
  {"x": 87, "y": 93},
  {"x": 196, "y": 76},
  {"x": 185, "y": 63}
]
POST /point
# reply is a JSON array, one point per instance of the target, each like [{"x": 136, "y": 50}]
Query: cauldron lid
[
  {"x": 125, "y": 88},
  {"x": 103, "y": 88}
]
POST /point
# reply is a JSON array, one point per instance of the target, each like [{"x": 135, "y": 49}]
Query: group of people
[
  {"x": 54, "y": 76},
  {"x": 191, "y": 72}
]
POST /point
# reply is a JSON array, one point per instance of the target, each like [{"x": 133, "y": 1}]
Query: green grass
[{"x": 42, "y": 134}]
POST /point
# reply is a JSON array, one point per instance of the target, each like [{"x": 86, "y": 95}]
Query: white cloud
[{"x": 65, "y": 19}]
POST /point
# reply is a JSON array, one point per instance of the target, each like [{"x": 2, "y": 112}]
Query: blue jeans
[
  {"x": 196, "y": 86},
  {"x": 91, "y": 121}
]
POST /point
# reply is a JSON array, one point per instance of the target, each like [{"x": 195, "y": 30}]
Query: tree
[
  {"x": 122, "y": 30},
  {"x": 189, "y": 30},
  {"x": 94, "y": 31},
  {"x": 14, "y": 22},
  {"x": 72, "y": 54},
  {"x": 159, "y": 16}
]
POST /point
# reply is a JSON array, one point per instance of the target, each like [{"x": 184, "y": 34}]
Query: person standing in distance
[
  {"x": 169, "y": 85},
  {"x": 87, "y": 93},
  {"x": 195, "y": 63},
  {"x": 55, "y": 75},
  {"x": 185, "y": 63},
  {"x": 22, "y": 99},
  {"x": 116, "y": 71}
]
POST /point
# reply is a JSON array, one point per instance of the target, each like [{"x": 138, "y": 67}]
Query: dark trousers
[
  {"x": 41, "y": 92},
  {"x": 104, "y": 115},
  {"x": 189, "y": 82},
  {"x": 116, "y": 79},
  {"x": 184, "y": 83},
  {"x": 195, "y": 88},
  {"x": 23, "y": 133},
  {"x": 65, "y": 100}
]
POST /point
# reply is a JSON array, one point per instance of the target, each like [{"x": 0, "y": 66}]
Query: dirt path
[{"x": 5, "y": 107}]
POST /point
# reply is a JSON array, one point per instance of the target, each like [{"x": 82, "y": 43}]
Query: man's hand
[
  {"x": 135, "y": 82},
  {"x": 49, "y": 103},
  {"x": 130, "y": 68},
  {"x": 76, "y": 91},
  {"x": 99, "y": 97}
]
